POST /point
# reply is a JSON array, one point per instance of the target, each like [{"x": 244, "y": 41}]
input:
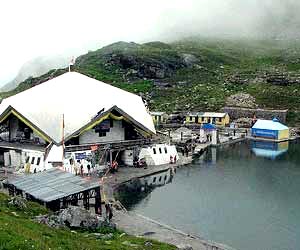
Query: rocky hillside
[{"x": 197, "y": 74}]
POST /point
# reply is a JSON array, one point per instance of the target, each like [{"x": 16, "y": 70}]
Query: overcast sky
[{"x": 35, "y": 28}]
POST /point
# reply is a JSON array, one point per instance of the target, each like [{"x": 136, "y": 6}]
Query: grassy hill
[
  {"x": 197, "y": 74},
  {"x": 18, "y": 231}
]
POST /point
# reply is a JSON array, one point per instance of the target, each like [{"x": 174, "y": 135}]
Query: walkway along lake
[{"x": 245, "y": 195}]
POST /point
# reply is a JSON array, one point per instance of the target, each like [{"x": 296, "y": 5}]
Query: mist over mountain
[
  {"x": 252, "y": 19},
  {"x": 36, "y": 67},
  {"x": 137, "y": 20}
]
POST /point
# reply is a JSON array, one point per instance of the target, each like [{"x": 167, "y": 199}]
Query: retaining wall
[{"x": 235, "y": 113}]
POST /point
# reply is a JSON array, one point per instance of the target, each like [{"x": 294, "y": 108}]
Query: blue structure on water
[{"x": 270, "y": 129}]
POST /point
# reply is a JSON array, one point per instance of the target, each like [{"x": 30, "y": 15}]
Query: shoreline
[{"x": 140, "y": 225}]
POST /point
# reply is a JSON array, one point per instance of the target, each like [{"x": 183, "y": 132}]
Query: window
[
  {"x": 102, "y": 134},
  {"x": 159, "y": 179},
  {"x": 32, "y": 160},
  {"x": 154, "y": 179},
  {"x": 160, "y": 150},
  {"x": 111, "y": 121},
  {"x": 154, "y": 151},
  {"x": 38, "y": 161},
  {"x": 165, "y": 177},
  {"x": 191, "y": 118},
  {"x": 27, "y": 159},
  {"x": 166, "y": 151}
]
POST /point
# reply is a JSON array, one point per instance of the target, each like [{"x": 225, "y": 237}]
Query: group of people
[
  {"x": 173, "y": 159},
  {"x": 108, "y": 211},
  {"x": 139, "y": 163},
  {"x": 79, "y": 168}
]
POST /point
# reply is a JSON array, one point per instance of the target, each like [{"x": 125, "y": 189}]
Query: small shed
[{"x": 270, "y": 129}]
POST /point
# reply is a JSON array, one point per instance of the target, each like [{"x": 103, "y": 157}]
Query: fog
[{"x": 35, "y": 28}]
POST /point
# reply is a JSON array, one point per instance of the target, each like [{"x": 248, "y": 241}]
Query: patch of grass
[
  {"x": 136, "y": 87},
  {"x": 18, "y": 231}
]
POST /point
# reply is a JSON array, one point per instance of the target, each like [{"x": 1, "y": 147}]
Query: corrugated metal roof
[
  {"x": 79, "y": 98},
  {"x": 212, "y": 114},
  {"x": 270, "y": 125},
  {"x": 207, "y": 114},
  {"x": 157, "y": 113},
  {"x": 52, "y": 184}
]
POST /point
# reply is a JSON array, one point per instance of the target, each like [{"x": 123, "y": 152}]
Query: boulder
[
  {"x": 184, "y": 247},
  {"x": 74, "y": 217},
  {"x": 18, "y": 202},
  {"x": 103, "y": 236},
  {"x": 77, "y": 217},
  {"x": 189, "y": 60}
]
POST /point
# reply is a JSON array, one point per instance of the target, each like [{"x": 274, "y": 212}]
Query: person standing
[
  {"x": 81, "y": 169},
  {"x": 89, "y": 169},
  {"x": 108, "y": 212}
]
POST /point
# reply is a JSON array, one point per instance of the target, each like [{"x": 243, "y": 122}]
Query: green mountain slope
[{"x": 197, "y": 74}]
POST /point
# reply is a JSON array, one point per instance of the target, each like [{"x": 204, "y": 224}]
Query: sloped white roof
[
  {"x": 79, "y": 98},
  {"x": 269, "y": 124}
]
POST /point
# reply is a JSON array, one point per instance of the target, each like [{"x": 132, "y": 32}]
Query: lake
[{"x": 245, "y": 195}]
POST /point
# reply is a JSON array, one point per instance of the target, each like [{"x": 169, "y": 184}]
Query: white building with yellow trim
[
  {"x": 220, "y": 119},
  {"x": 71, "y": 109}
]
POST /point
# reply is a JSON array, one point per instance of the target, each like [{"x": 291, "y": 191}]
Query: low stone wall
[{"x": 236, "y": 112}]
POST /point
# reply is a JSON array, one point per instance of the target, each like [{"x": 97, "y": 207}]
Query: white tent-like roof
[
  {"x": 79, "y": 98},
  {"x": 269, "y": 124}
]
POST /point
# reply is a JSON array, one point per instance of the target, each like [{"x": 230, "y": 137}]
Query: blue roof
[
  {"x": 270, "y": 125},
  {"x": 208, "y": 126}
]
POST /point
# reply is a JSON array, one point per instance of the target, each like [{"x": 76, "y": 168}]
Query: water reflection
[
  {"x": 269, "y": 149},
  {"x": 233, "y": 196},
  {"x": 132, "y": 192}
]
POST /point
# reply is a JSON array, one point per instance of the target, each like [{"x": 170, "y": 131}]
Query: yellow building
[
  {"x": 159, "y": 117},
  {"x": 220, "y": 119}
]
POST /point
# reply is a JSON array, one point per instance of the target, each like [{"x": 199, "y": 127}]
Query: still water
[{"x": 245, "y": 195}]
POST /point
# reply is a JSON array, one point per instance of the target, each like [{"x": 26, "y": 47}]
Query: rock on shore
[{"x": 74, "y": 217}]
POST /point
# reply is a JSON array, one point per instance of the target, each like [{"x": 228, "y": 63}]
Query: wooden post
[
  {"x": 98, "y": 201},
  {"x": 110, "y": 158},
  {"x": 86, "y": 203}
]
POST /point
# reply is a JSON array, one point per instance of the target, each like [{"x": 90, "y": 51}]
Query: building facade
[
  {"x": 70, "y": 111},
  {"x": 220, "y": 119}
]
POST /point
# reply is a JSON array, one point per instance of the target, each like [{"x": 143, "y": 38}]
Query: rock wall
[{"x": 236, "y": 113}]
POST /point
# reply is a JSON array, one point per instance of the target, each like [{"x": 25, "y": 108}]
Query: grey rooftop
[{"x": 53, "y": 184}]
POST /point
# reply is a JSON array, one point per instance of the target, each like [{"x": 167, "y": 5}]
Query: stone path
[{"x": 139, "y": 225}]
